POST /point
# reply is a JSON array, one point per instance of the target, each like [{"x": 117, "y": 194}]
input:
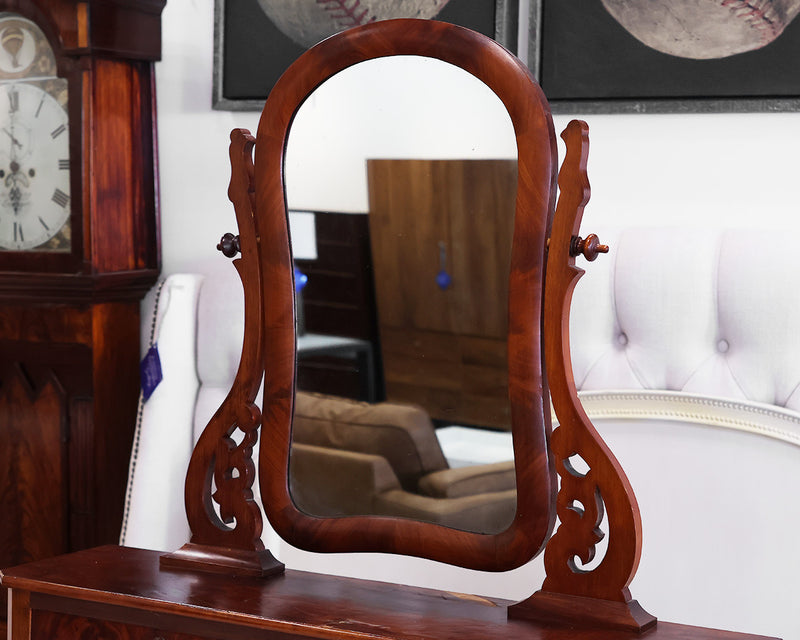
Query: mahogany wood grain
[
  {"x": 139, "y": 39},
  {"x": 23, "y": 287},
  {"x": 120, "y": 167},
  {"x": 37, "y": 389},
  {"x": 55, "y": 324},
  {"x": 122, "y": 591},
  {"x": 530, "y": 115},
  {"x": 109, "y": 420}
]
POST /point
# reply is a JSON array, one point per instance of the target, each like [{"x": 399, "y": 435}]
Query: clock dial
[
  {"x": 34, "y": 167},
  {"x": 35, "y": 198}
]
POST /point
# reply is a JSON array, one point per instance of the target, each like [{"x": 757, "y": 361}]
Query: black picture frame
[
  {"x": 587, "y": 63},
  {"x": 250, "y": 53}
]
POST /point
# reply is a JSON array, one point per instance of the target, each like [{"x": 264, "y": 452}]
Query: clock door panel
[
  {"x": 68, "y": 396},
  {"x": 34, "y": 399},
  {"x": 32, "y": 468}
]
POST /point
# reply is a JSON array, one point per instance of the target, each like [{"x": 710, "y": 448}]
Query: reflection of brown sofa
[{"x": 354, "y": 458}]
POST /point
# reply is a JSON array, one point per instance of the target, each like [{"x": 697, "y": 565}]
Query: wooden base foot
[
  {"x": 578, "y": 611},
  {"x": 234, "y": 562}
]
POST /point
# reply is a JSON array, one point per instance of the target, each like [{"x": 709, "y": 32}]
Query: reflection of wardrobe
[{"x": 444, "y": 348}]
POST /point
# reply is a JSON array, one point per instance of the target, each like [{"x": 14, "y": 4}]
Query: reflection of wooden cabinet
[
  {"x": 339, "y": 301},
  {"x": 444, "y": 348}
]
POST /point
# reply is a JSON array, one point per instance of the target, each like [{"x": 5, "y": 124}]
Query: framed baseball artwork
[
  {"x": 666, "y": 56},
  {"x": 256, "y": 40}
]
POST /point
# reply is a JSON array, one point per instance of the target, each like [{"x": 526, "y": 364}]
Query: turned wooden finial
[
  {"x": 590, "y": 247},
  {"x": 229, "y": 245}
]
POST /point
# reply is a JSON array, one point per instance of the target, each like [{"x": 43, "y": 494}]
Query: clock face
[
  {"x": 35, "y": 199},
  {"x": 34, "y": 166}
]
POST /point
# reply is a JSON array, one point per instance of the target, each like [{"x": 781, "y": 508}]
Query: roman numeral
[
  {"x": 13, "y": 100},
  {"x": 44, "y": 224},
  {"x": 18, "y": 236},
  {"x": 63, "y": 165},
  {"x": 57, "y": 132},
  {"x": 60, "y": 198},
  {"x": 39, "y": 108}
]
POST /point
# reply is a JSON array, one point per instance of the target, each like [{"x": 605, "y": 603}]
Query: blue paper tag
[{"x": 150, "y": 371}]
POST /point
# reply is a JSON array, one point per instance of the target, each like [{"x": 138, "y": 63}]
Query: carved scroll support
[
  {"x": 579, "y": 589},
  {"x": 225, "y": 520}
]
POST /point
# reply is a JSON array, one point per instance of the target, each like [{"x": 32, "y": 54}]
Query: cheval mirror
[
  {"x": 225, "y": 583},
  {"x": 223, "y": 516}
]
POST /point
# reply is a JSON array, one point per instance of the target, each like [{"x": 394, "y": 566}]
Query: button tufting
[
  {"x": 622, "y": 339},
  {"x": 723, "y": 346}
]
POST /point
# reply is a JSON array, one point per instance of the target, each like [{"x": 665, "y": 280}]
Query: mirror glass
[{"x": 401, "y": 181}]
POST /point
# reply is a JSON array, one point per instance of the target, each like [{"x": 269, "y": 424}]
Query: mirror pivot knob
[
  {"x": 590, "y": 247},
  {"x": 229, "y": 245}
]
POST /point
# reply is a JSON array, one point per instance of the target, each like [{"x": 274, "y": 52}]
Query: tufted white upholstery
[
  {"x": 686, "y": 348},
  {"x": 695, "y": 325},
  {"x": 709, "y": 312}
]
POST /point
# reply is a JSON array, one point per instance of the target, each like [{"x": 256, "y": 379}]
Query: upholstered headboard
[{"x": 692, "y": 324}]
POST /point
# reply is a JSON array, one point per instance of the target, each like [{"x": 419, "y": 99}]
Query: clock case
[
  {"x": 70, "y": 323},
  {"x": 105, "y": 52}
]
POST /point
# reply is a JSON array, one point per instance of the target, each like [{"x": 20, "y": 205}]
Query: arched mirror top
[
  {"x": 479, "y": 55},
  {"x": 530, "y": 117}
]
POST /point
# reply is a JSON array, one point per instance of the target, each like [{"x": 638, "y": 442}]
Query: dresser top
[{"x": 297, "y": 603}]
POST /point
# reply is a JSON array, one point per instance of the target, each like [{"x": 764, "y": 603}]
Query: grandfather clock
[{"x": 78, "y": 250}]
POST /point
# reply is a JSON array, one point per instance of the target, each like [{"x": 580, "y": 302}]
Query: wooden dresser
[{"x": 116, "y": 592}]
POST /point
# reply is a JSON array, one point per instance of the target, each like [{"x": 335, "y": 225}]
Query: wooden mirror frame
[
  {"x": 530, "y": 116},
  {"x": 224, "y": 518}
]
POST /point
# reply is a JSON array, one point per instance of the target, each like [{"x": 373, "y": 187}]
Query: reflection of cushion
[
  {"x": 403, "y": 434},
  {"x": 468, "y": 481}
]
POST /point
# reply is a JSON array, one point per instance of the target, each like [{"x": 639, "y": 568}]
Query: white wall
[
  {"x": 700, "y": 170},
  {"x": 697, "y": 170}
]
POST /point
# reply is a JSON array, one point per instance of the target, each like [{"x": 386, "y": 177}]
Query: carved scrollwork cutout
[{"x": 234, "y": 469}]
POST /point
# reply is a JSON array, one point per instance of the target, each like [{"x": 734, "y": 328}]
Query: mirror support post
[
  {"x": 573, "y": 593},
  {"x": 226, "y": 523}
]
